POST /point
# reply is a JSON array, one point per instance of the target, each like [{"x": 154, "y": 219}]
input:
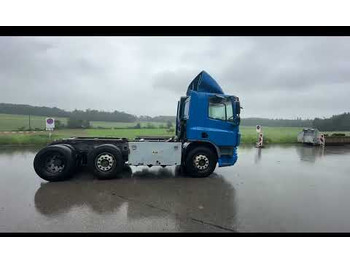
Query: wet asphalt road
[{"x": 275, "y": 189}]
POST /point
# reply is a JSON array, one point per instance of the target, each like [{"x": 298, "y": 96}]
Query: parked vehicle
[
  {"x": 207, "y": 134},
  {"x": 309, "y": 136}
]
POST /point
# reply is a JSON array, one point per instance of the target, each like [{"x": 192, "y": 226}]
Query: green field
[
  {"x": 278, "y": 135},
  {"x": 39, "y": 138},
  {"x": 42, "y": 138},
  {"x": 272, "y": 135},
  {"x": 15, "y": 122},
  {"x": 104, "y": 124},
  {"x": 128, "y": 133},
  {"x": 249, "y": 136}
]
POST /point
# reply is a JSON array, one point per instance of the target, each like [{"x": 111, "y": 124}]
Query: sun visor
[{"x": 204, "y": 83}]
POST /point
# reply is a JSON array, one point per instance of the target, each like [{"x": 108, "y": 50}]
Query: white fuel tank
[{"x": 155, "y": 153}]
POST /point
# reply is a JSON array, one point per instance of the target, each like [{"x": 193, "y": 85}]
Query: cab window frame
[{"x": 225, "y": 102}]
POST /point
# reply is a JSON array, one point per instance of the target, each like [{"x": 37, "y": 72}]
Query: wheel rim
[
  {"x": 105, "y": 162},
  {"x": 55, "y": 163},
  {"x": 201, "y": 162}
]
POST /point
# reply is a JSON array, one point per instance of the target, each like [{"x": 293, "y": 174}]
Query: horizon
[{"x": 138, "y": 116}]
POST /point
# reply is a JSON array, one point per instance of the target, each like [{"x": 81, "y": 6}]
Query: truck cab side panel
[{"x": 209, "y": 125}]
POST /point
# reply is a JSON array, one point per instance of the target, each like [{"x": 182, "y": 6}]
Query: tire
[
  {"x": 106, "y": 161},
  {"x": 200, "y": 162},
  {"x": 55, "y": 163},
  {"x": 76, "y": 162}
]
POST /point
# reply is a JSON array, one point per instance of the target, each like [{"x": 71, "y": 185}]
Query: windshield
[{"x": 220, "y": 109}]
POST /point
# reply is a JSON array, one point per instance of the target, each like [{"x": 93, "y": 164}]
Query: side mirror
[{"x": 236, "y": 106}]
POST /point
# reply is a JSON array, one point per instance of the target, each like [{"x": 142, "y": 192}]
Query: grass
[
  {"x": 42, "y": 138},
  {"x": 128, "y": 133},
  {"x": 9, "y": 122},
  {"x": 103, "y": 124},
  {"x": 278, "y": 135},
  {"x": 39, "y": 138},
  {"x": 272, "y": 135},
  {"x": 14, "y": 122}
]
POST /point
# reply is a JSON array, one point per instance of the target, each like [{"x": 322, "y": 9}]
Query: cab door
[{"x": 222, "y": 128}]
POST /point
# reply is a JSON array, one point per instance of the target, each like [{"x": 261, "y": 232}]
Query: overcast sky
[{"x": 275, "y": 77}]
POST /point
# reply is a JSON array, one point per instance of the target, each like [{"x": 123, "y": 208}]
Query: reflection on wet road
[
  {"x": 155, "y": 200},
  {"x": 274, "y": 189}
]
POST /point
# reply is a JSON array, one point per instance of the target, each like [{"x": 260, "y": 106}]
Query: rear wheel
[
  {"x": 200, "y": 162},
  {"x": 55, "y": 163},
  {"x": 106, "y": 161}
]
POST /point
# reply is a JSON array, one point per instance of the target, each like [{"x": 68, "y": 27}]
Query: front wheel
[{"x": 200, "y": 162}]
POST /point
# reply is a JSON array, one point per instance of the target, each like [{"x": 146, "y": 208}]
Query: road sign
[
  {"x": 258, "y": 128},
  {"x": 50, "y": 124}
]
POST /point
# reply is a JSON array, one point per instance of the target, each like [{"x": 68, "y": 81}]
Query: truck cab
[{"x": 208, "y": 117}]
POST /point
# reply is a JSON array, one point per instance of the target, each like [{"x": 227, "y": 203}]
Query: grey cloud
[
  {"x": 176, "y": 81},
  {"x": 274, "y": 76},
  {"x": 287, "y": 63}
]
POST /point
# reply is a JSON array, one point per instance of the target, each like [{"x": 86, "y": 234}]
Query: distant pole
[
  {"x": 322, "y": 140},
  {"x": 259, "y": 144},
  {"x": 29, "y": 123}
]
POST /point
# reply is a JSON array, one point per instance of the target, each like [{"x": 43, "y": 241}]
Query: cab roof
[{"x": 203, "y": 82}]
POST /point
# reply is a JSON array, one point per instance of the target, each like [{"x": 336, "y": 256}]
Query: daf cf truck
[{"x": 207, "y": 135}]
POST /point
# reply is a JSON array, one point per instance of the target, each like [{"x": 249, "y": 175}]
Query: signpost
[
  {"x": 258, "y": 128},
  {"x": 321, "y": 140},
  {"x": 259, "y": 144},
  {"x": 50, "y": 125}
]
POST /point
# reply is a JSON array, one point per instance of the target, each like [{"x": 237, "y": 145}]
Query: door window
[{"x": 220, "y": 109}]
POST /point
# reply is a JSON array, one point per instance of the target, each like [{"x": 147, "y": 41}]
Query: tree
[
  {"x": 150, "y": 126},
  {"x": 74, "y": 122},
  {"x": 59, "y": 124},
  {"x": 169, "y": 124},
  {"x": 335, "y": 123}
]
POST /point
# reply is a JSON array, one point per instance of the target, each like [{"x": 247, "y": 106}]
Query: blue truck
[{"x": 207, "y": 134}]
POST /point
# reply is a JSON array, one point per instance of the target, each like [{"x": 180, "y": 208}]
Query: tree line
[
  {"x": 335, "y": 123},
  {"x": 339, "y": 122},
  {"x": 86, "y": 115},
  {"x": 32, "y": 110}
]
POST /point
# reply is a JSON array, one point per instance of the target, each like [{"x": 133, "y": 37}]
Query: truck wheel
[
  {"x": 200, "y": 162},
  {"x": 106, "y": 161},
  {"x": 54, "y": 163}
]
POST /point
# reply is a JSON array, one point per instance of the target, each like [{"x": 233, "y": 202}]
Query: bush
[
  {"x": 170, "y": 130},
  {"x": 169, "y": 124},
  {"x": 77, "y": 123},
  {"x": 59, "y": 124},
  {"x": 150, "y": 126},
  {"x": 338, "y": 134},
  {"x": 137, "y": 126}
]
